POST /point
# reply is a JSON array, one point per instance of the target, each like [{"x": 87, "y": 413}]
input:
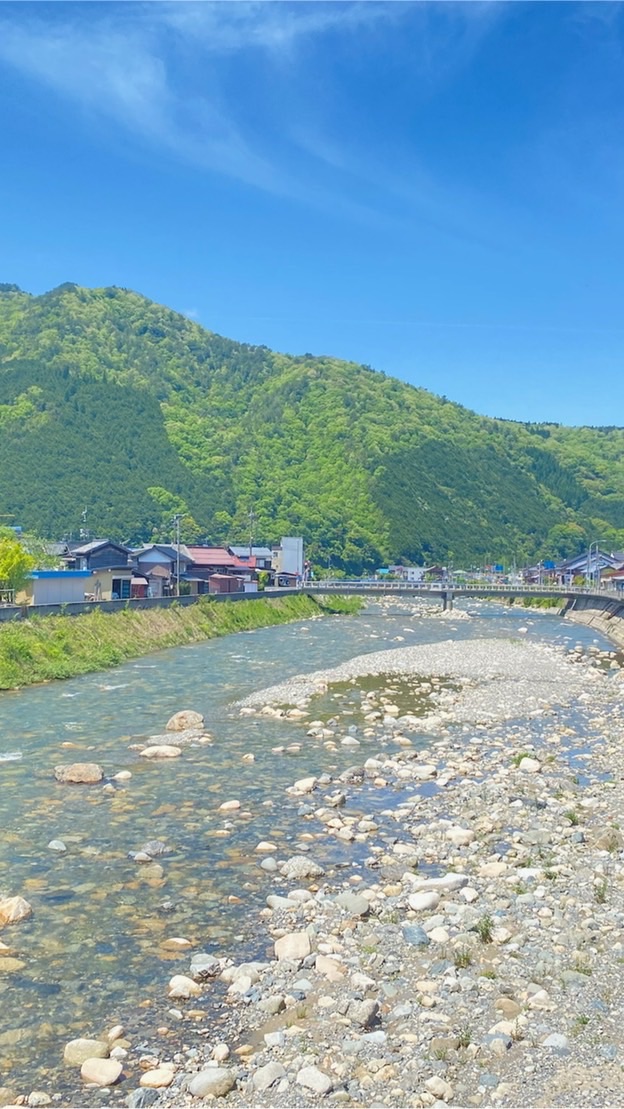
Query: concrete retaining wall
[
  {"x": 25, "y": 612},
  {"x": 605, "y": 615}
]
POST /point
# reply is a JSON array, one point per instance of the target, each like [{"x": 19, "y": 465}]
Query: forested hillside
[{"x": 111, "y": 402}]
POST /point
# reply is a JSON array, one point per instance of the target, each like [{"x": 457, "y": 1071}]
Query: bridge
[{"x": 448, "y": 591}]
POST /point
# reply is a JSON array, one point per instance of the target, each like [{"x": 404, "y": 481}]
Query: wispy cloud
[
  {"x": 244, "y": 24},
  {"x": 129, "y": 63}
]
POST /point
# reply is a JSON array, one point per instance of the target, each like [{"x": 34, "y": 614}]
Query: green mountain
[{"x": 111, "y": 402}]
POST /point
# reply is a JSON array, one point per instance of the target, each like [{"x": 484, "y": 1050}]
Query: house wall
[
  {"x": 106, "y": 578},
  {"x": 107, "y": 557}
]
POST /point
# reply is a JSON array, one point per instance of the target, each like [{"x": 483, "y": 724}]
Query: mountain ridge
[{"x": 111, "y": 401}]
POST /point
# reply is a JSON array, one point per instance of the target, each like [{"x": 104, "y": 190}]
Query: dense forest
[{"x": 115, "y": 404}]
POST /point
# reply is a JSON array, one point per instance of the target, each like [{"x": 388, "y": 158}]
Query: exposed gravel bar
[{"x": 498, "y": 679}]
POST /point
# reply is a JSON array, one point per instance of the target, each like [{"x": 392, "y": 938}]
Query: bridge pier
[{"x": 447, "y": 600}]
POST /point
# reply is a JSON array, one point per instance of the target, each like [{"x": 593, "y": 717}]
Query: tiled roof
[
  {"x": 215, "y": 556},
  {"x": 95, "y": 544}
]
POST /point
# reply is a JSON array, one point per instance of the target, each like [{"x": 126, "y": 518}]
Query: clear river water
[{"x": 92, "y": 954}]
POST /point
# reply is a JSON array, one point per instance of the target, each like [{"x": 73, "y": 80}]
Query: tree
[{"x": 15, "y": 563}]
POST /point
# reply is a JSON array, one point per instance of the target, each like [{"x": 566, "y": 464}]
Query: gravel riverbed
[{"x": 470, "y": 952}]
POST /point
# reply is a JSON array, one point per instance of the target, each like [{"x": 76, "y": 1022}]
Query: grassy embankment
[{"x": 47, "y": 647}]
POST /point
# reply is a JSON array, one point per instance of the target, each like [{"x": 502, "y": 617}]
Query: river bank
[
  {"x": 51, "y": 647},
  {"x": 363, "y": 974},
  {"x": 481, "y": 962}
]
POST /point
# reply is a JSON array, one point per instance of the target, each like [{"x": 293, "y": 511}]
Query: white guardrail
[{"x": 457, "y": 587}]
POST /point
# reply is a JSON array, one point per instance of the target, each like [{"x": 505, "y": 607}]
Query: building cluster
[
  {"x": 593, "y": 567},
  {"x": 104, "y": 570}
]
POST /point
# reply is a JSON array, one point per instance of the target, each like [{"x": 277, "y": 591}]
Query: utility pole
[
  {"x": 252, "y": 518},
  {"x": 176, "y": 521}
]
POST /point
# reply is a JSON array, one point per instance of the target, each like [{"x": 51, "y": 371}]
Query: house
[
  {"x": 408, "y": 573},
  {"x": 110, "y": 584},
  {"x": 614, "y": 579},
  {"x": 208, "y": 561},
  {"x": 108, "y": 563},
  {"x": 100, "y": 554},
  {"x": 158, "y": 564},
  {"x": 589, "y": 565},
  {"x": 55, "y": 587},
  {"x": 288, "y": 559},
  {"x": 256, "y": 558}
]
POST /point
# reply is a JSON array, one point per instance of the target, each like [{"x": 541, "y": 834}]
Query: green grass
[
  {"x": 48, "y": 647},
  {"x": 517, "y": 759},
  {"x": 600, "y": 891},
  {"x": 485, "y": 928},
  {"x": 462, "y": 957}
]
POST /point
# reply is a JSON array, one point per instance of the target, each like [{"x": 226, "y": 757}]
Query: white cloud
[
  {"x": 128, "y": 63},
  {"x": 269, "y": 25}
]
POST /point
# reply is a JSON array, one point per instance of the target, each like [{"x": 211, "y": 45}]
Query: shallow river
[{"x": 92, "y": 953}]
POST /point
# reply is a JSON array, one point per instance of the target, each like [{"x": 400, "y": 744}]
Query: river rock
[
  {"x": 212, "y": 1082},
  {"x": 266, "y": 1076},
  {"x": 448, "y": 882},
  {"x": 529, "y": 765},
  {"x": 294, "y": 946},
  {"x": 37, "y": 1099},
  {"x": 558, "y": 1043},
  {"x": 354, "y": 903},
  {"x": 181, "y": 986},
  {"x": 57, "y": 845},
  {"x": 142, "y": 1098},
  {"x": 314, "y": 1079},
  {"x": 13, "y": 910},
  {"x": 161, "y": 751},
  {"x": 305, "y": 785},
  {"x": 329, "y": 968},
  {"x": 415, "y": 935},
  {"x": 158, "y": 1078},
  {"x": 365, "y": 1013},
  {"x": 204, "y": 965},
  {"x": 181, "y": 721},
  {"x": 300, "y": 866},
  {"x": 103, "y": 1072},
  {"x": 10, "y": 965},
  {"x": 439, "y": 1087},
  {"x": 76, "y": 1051},
  {"x": 428, "y": 899},
  {"x": 84, "y": 773}
]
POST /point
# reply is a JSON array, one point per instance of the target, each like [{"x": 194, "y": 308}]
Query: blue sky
[{"x": 431, "y": 189}]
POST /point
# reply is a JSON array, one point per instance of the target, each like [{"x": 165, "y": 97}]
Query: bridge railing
[{"x": 346, "y": 584}]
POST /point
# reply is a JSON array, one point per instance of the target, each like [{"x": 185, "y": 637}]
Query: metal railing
[{"x": 487, "y": 589}]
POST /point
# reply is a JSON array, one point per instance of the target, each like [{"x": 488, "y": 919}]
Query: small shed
[
  {"x": 55, "y": 587},
  {"x": 225, "y": 583}
]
